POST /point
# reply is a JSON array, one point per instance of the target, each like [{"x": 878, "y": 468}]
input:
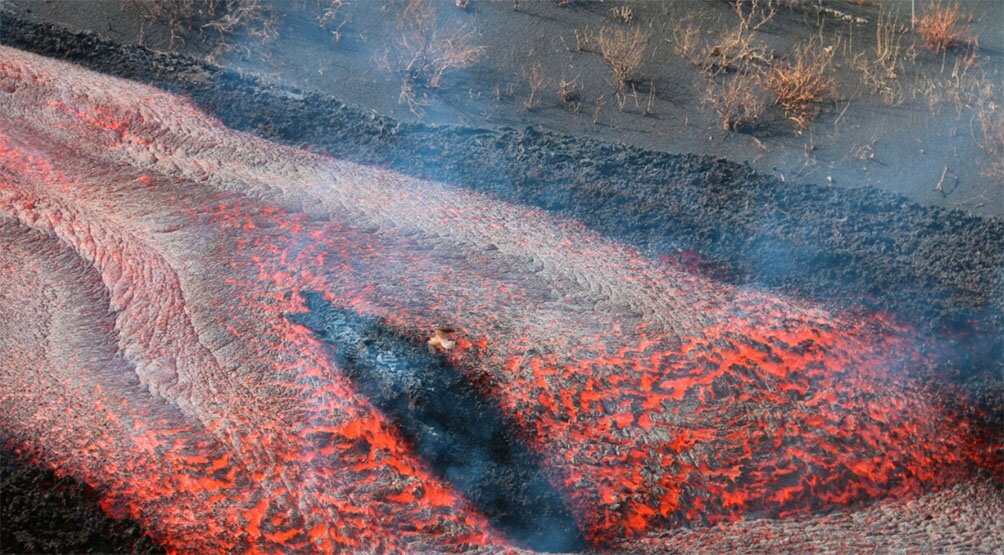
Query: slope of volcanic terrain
[{"x": 225, "y": 338}]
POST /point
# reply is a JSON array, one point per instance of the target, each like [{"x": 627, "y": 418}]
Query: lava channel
[{"x": 156, "y": 347}]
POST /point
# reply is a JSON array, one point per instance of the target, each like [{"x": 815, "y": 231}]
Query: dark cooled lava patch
[
  {"x": 157, "y": 349},
  {"x": 464, "y": 437}
]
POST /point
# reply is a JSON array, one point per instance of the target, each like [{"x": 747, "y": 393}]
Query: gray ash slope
[{"x": 857, "y": 249}]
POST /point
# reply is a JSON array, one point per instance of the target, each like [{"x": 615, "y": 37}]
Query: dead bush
[
  {"x": 992, "y": 141},
  {"x": 623, "y": 50},
  {"x": 535, "y": 82},
  {"x": 881, "y": 72},
  {"x": 739, "y": 100},
  {"x": 330, "y": 19},
  {"x": 251, "y": 16},
  {"x": 734, "y": 48},
  {"x": 940, "y": 28},
  {"x": 426, "y": 50},
  {"x": 990, "y": 117},
  {"x": 800, "y": 85},
  {"x": 622, "y": 14},
  {"x": 584, "y": 39},
  {"x": 687, "y": 38},
  {"x": 568, "y": 94},
  {"x": 189, "y": 18}
]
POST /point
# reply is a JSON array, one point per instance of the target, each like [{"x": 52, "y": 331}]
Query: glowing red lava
[{"x": 150, "y": 256}]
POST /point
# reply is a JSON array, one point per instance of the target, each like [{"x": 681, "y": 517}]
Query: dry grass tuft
[
  {"x": 940, "y": 28},
  {"x": 623, "y": 50},
  {"x": 251, "y": 16},
  {"x": 734, "y": 48},
  {"x": 801, "y": 84}
]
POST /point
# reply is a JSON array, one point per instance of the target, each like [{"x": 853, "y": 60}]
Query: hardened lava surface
[{"x": 210, "y": 331}]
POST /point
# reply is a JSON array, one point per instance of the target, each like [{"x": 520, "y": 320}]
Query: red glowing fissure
[{"x": 152, "y": 254}]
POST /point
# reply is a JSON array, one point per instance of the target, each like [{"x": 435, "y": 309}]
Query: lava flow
[{"x": 156, "y": 345}]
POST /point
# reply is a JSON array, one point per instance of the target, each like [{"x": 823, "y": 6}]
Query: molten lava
[{"x": 153, "y": 262}]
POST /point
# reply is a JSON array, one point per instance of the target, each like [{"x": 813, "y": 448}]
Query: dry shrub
[
  {"x": 801, "y": 84},
  {"x": 622, "y": 14},
  {"x": 739, "y": 101},
  {"x": 735, "y": 47},
  {"x": 584, "y": 39},
  {"x": 961, "y": 88},
  {"x": 568, "y": 94},
  {"x": 426, "y": 50},
  {"x": 992, "y": 141},
  {"x": 252, "y": 16},
  {"x": 623, "y": 50},
  {"x": 940, "y": 28},
  {"x": 330, "y": 20},
  {"x": 535, "y": 82},
  {"x": 687, "y": 38},
  {"x": 881, "y": 72},
  {"x": 990, "y": 117},
  {"x": 183, "y": 18}
]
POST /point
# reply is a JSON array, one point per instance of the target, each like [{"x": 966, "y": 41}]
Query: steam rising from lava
[{"x": 152, "y": 258}]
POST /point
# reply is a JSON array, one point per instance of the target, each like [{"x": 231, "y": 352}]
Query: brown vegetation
[
  {"x": 744, "y": 80},
  {"x": 739, "y": 46},
  {"x": 739, "y": 101},
  {"x": 568, "y": 94},
  {"x": 990, "y": 117},
  {"x": 330, "y": 20},
  {"x": 427, "y": 50},
  {"x": 624, "y": 14},
  {"x": 881, "y": 72},
  {"x": 535, "y": 82},
  {"x": 227, "y": 17},
  {"x": 801, "y": 84},
  {"x": 940, "y": 28},
  {"x": 623, "y": 50}
]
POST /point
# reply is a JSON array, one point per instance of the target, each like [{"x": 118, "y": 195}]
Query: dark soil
[
  {"x": 40, "y": 513},
  {"x": 854, "y": 249}
]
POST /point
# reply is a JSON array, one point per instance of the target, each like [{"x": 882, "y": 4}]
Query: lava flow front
[{"x": 157, "y": 345}]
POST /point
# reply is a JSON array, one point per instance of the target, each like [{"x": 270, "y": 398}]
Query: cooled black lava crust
[
  {"x": 40, "y": 513},
  {"x": 463, "y": 436}
]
